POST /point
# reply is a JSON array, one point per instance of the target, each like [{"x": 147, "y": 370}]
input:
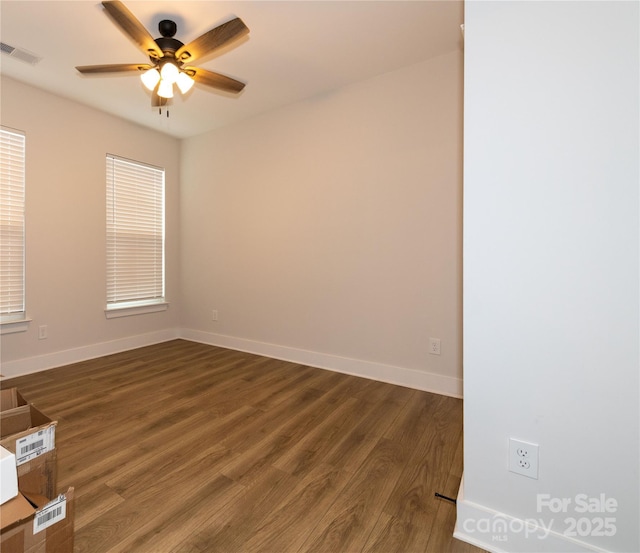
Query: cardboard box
[
  {"x": 33, "y": 524},
  {"x": 30, "y": 435},
  {"x": 11, "y": 398},
  {"x": 8, "y": 476}
]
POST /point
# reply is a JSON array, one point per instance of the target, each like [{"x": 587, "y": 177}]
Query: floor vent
[{"x": 19, "y": 54}]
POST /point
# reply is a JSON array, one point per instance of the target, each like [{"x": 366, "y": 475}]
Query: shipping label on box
[
  {"x": 36, "y": 444},
  {"x": 52, "y": 513}
]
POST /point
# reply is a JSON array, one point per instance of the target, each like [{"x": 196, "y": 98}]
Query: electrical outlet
[
  {"x": 523, "y": 458},
  {"x": 214, "y": 315},
  {"x": 434, "y": 346}
]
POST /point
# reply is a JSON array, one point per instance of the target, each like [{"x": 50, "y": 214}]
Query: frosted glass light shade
[
  {"x": 169, "y": 72},
  {"x": 184, "y": 82},
  {"x": 165, "y": 90},
  {"x": 150, "y": 78}
]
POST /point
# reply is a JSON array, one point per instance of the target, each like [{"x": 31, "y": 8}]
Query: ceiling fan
[{"x": 168, "y": 55}]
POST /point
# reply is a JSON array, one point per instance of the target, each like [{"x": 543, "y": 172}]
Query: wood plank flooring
[{"x": 183, "y": 447}]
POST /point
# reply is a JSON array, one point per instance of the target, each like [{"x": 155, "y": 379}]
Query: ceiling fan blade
[
  {"x": 215, "y": 80},
  {"x": 133, "y": 28},
  {"x": 113, "y": 68},
  {"x": 212, "y": 40}
]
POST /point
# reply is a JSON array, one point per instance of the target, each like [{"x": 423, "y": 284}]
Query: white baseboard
[
  {"x": 38, "y": 363},
  {"x": 500, "y": 533},
  {"x": 419, "y": 380},
  {"x": 410, "y": 378}
]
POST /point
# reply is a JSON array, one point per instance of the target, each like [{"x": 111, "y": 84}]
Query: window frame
[
  {"x": 136, "y": 184},
  {"x": 13, "y": 208}
]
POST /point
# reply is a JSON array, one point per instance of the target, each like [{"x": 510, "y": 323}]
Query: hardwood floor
[{"x": 183, "y": 447}]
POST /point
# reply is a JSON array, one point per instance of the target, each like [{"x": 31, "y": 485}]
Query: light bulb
[
  {"x": 184, "y": 82},
  {"x": 165, "y": 90},
  {"x": 169, "y": 72},
  {"x": 150, "y": 78}
]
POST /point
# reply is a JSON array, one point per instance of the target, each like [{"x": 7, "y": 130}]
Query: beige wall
[
  {"x": 65, "y": 210},
  {"x": 329, "y": 231}
]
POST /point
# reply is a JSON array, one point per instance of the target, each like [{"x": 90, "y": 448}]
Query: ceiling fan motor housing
[
  {"x": 166, "y": 42},
  {"x": 167, "y": 28}
]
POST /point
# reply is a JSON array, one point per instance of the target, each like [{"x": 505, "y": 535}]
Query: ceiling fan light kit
[
  {"x": 150, "y": 78},
  {"x": 168, "y": 55},
  {"x": 165, "y": 89},
  {"x": 170, "y": 75},
  {"x": 169, "y": 72},
  {"x": 184, "y": 82}
]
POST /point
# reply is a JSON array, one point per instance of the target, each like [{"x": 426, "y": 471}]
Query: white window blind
[
  {"x": 135, "y": 233},
  {"x": 12, "y": 246}
]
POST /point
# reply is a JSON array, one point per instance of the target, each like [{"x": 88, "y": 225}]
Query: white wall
[
  {"x": 65, "y": 240},
  {"x": 329, "y": 232},
  {"x": 551, "y": 279}
]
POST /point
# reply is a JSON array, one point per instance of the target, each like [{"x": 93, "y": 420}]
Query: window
[
  {"x": 12, "y": 242},
  {"x": 135, "y": 237}
]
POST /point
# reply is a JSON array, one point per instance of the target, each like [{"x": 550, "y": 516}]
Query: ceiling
[{"x": 296, "y": 49}]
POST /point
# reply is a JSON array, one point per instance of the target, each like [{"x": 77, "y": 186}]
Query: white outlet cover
[
  {"x": 434, "y": 346},
  {"x": 523, "y": 458}
]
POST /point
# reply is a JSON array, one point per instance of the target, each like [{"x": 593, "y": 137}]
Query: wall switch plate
[
  {"x": 523, "y": 458},
  {"x": 42, "y": 332},
  {"x": 214, "y": 315}
]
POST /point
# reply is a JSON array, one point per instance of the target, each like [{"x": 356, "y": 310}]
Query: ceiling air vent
[{"x": 19, "y": 54}]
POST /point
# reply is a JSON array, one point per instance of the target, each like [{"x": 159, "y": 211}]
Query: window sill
[
  {"x": 116, "y": 312},
  {"x": 11, "y": 327}
]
